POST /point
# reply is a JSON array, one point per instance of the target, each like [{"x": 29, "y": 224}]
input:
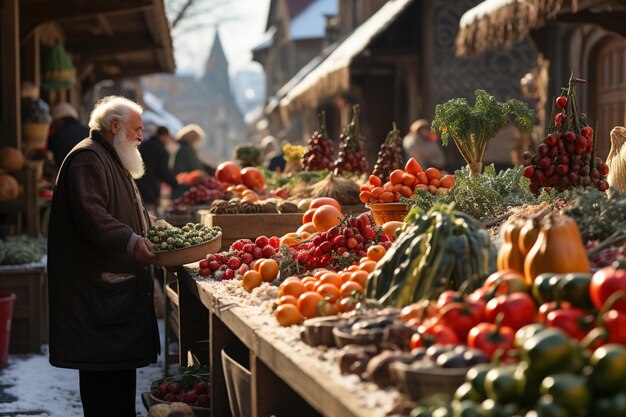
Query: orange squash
[
  {"x": 528, "y": 235},
  {"x": 559, "y": 249},
  {"x": 509, "y": 255}
]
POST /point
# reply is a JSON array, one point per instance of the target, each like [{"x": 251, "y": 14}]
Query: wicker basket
[
  {"x": 34, "y": 136},
  {"x": 424, "y": 382},
  {"x": 386, "y": 212}
]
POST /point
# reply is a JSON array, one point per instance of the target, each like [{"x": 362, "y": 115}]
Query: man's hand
[{"x": 143, "y": 251}]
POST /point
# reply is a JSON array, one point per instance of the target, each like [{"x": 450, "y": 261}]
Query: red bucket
[{"x": 6, "y": 313}]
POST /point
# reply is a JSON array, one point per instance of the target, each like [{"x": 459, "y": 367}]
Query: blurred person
[
  {"x": 156, "y": 160},
  {"x": 273, "y": 154},
  {"x": 101, "y": 313},
  {"x": 422, "y": 144},
  {"x": 67, "y": 131},
  {"x": 186, "y": 159}
]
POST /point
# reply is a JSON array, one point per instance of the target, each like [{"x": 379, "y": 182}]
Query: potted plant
[{"x": 471, "y": 127}]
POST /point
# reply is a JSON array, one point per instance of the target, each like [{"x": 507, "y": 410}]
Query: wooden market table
[{"x": 280, "y": 385}]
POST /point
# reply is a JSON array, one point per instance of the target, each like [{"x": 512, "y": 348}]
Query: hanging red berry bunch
[{"x": 567, "y": 156}]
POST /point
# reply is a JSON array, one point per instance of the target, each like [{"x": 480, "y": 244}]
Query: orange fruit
[
  {"x": 376, "y": 192},
  {"x": 448, "y": 181},
  {"x": 318, "y": 274},
  {"x": 307, "y": 227},
  {"x": 422, "y": 178},
  {"x": 345, "y": 275},
  {"x": 368, "y": 266},
  {"x": 360, "y": 277},
  {"x": 288, "y": 299},
  {"x": 350, "y": 286},
  {"x": 294, "y": 288},
  {"x": 326, "y": 217},
  {"x": 432, "y": 189},
  {"x": 268, "y": 270},
  {"x": 390, "y": 227},
  {"x": 435, "y": 182},
  {"x": 325, "y": 201},
  {"x": 364, "y": 196},
  {"x": 412, "y": 167},
  {"x": 376, "y": 252},
  {"x": 331, "y": 278},
  {"x": 307, "y": 303},
  {"x": 409, "y": 180},
  {"x": 257, "y": 264},
  {"x": 396, "y": 176},
  {"x": 289, "y": 239},
  {"x": 366, "y": 187},
  {"x": 432, "y": 173},
  {"x": 287, "y": 314},
  {"x": 353, "y": 268},
  {"x": 421, "y": 186},
  {"x": 406, "y": 191},
  {"x": 328, "y": 291},
  {"x": 375, "y": 181},
  {"x": 251, "y": 279},
  {"x": 387, "y": 197},
  {"x": 308, "y": 216},
  {"x": 310, "y": 285}
]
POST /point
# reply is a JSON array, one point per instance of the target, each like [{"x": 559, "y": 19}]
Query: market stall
[{"x": 461, "y": 294}]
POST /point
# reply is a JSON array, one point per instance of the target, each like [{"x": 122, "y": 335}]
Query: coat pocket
[{"x": 112, "y": 302}]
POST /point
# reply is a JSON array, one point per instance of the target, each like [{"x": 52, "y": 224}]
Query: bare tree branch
[{"x": 183, "y": 10}]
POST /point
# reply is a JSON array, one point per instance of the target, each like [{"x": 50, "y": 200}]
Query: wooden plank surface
[{"x": 316, "y": 387}]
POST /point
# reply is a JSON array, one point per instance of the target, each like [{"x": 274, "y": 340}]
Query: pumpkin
[
  {"x": 11, "y": 159},
  {"x": 9, "y": 188},
  {"x": 558, "y": 249},
  {"x": 509, "y": 255}
]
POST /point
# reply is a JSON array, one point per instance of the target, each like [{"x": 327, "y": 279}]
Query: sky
[{"x": 241, "y": 29}]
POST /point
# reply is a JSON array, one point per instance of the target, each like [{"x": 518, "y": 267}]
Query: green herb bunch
[
  {"x": 471, "y": 127},
  {"x": 597, "y": 215}
]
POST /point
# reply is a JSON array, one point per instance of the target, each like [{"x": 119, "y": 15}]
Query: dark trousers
[{"x": 108, "y": 393}]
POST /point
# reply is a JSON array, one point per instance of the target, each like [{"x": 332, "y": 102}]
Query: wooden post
[
  {"x": 31, "y": 60},
  {"x": 192, "y": 315},
  {"x": 10, "y": 111},
  {"x": 220, "y": 336}
]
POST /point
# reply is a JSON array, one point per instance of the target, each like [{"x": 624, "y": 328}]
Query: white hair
[{"x": 110, "y": 108}]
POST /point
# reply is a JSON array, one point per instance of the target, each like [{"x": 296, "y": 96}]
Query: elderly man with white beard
[{"x": 102, "y": 318}]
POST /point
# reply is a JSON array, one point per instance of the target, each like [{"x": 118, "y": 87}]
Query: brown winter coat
[{"x": 96, "y": 325}]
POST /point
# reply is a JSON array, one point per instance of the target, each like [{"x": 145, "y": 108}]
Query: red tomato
[
  {"x": 605, "y": 282},
  {"x": 433, "y": 334},
  {"x": 253, "y": 178},
  {"x": 561, "y": 102},
  {"x": 491, "y": 337},
  {"x": 518, "y": 309},
  {"x": 228, "y": 172}
]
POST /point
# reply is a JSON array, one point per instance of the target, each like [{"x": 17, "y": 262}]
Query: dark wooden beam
[
  {"x": 31, "y": 59},
  {"x": 35, "y": 12},
  {"x": 10, "y": 111},
  {"x": 127, "y": 71},
  {"x": 90, "y": 48},
  {"x": 611, "y": 21}
]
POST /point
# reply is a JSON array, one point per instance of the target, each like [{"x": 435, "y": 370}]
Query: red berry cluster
[
  {"x": 239, "y": 259},
  {"x": 341, "y": 245},
  {"x": 319, "y": 153},
  {"x": 351, "y": 157},
  {"x": 566, "y": 157},
  {"x": 197, "y": 395},
  {"x": 207, "y": 190}
]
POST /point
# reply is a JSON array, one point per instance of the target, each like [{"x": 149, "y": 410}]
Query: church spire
[{"x": 216, "y": 68}]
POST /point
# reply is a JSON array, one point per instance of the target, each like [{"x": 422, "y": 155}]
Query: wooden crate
[
  {"x": 29, "y": 328},
  {"x": 251, "y": 226}
]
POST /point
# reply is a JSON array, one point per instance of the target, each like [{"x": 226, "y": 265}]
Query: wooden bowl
[
  {"x": 318, "y": 331},
  {"x": 418, "y": 383},
  {"x": 194, "y": 253},
  {"x": 386, "y": 212},
  {"x": 343, "y": 337}
]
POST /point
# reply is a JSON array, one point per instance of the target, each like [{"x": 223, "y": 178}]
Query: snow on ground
[{"x": 38, "y": 388}]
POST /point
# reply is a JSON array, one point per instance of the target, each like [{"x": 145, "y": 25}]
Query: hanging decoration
[{"x": 58, "y": 71}]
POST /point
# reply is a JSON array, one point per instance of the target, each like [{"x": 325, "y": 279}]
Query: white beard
[{"x": 128, "y": 152}]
